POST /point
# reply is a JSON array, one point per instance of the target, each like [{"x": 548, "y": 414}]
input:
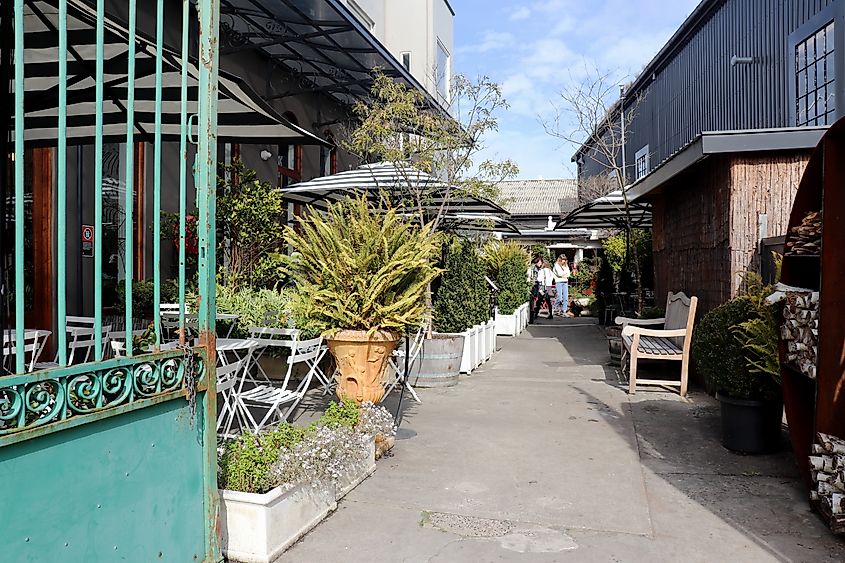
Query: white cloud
[
  {"x": 490, "y": 41},
  {"x": 522, "y": 13},
  {"x": 536, "y": 154}
]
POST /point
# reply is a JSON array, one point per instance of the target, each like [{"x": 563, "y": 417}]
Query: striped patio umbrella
[
  {"x": 399, "y": 183},
  {"x": 242, "y": 115},
  {"x": 607, "y": 212}
]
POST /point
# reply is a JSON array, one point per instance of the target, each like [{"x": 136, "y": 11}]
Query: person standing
[
  {"x": 545, "y": 286},
  {"x": 531, "y": 276},
  {"x": 561, "y": 273}
]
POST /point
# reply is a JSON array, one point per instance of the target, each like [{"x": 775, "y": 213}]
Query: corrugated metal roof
[{"x": 538, "y": 197}]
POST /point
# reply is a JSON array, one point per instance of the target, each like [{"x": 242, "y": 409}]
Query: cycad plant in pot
[
  {"x": 362, "y": 273},
  {"x": 735, "y": 349}
]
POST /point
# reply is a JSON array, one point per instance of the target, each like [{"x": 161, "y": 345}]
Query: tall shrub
[
  {"x": 513, "y": 284},
  {"x": 462, "y": 298}
]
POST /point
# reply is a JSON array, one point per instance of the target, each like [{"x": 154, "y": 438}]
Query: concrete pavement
[{"x": 541, "y": 456}]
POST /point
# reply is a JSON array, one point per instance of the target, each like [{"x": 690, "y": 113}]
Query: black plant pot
[{"x": 750, "y": 426}]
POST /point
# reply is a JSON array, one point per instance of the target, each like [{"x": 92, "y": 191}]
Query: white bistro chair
[
  {"x": 80, "y": 345},
  {"x": 278, "y": 402},
  {"x": 397, "y": 364},
  {"x": 228, "y": 377},
  {"x": 33, "y": 344}
]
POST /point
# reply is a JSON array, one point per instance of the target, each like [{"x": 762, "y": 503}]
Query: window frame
[
  {"x": 644, "y": 155},
  {"x": 447, "y": 72},
  {"x": 835, "y": 13}
]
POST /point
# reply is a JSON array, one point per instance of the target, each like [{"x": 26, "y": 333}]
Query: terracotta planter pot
[{"x": 361, "y": 360}]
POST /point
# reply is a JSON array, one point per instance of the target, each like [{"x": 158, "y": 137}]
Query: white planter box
[
  {"x": 468, "y": 359},
  {"x": 259, "y": 528},
  {"x": 512, "y": 325},
  {"x": 490, "y": 338}
]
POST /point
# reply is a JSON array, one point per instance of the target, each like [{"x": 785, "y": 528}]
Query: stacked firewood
[
  {"x": 828, "y": 465},
  {"x": 800, "y": 331},
  {"x": 806, "y": 238}
]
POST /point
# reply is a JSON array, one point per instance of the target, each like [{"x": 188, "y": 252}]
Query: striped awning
[
  {"x": 242, "y": 115},
  {"x": 404, "y": 186},
  {"x": 607, "y": 212}
]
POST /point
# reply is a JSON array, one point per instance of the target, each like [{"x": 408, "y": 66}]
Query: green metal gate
[{"x": 115, "y": 459}]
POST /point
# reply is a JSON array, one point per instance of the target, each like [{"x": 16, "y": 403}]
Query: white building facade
[{"x": 419, "y": 33}]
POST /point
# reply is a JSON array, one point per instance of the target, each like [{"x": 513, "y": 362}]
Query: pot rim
[
  {"x": 745, "y": 402},
  {"x": 355, "y": 335}
]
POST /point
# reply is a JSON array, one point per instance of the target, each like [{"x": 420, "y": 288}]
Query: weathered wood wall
[
  {"x": 691, "y": 239},
  {"x": 706, "y": 222},
  {"x": 760, "y": 184}
]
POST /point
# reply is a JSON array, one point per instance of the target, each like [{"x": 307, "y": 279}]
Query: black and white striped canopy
[
  {"x": 241, "y": 114},
  {"x": 400, "y": 183},
  {"x": 607, "y": 212}
]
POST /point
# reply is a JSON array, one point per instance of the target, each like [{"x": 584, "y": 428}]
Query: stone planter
[
  {"x": 258, "y": 528},
  {"x": 439, "y": 361},
  {"x": 361, "y": 360}
]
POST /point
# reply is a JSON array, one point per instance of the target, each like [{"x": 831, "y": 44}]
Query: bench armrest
[
  {"x": 631, "y": 330},
  {"x": 625, "y": 321}
]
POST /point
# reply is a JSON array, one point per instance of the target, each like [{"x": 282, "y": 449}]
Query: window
[
  {"x": 290, "y": 159},
  {"x": 815, "y": 79},
  {"x": 328, "y": 156},
  {"x": 642, "y": 162},
  {"x": 442, "y": 72},
  {"x": 406, "y": 60}
]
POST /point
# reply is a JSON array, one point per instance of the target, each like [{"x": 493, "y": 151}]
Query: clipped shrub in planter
[
  {"x": 461, "y": 301},
  {"x": 362, "y": 274},
  {"x": 514, "y": 288},
  {"x": 750, "y": 398}
]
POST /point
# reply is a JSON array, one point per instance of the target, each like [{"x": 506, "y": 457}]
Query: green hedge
[
  {"x": 514, "y": 289},
  {"x": 462, "y": 300}
]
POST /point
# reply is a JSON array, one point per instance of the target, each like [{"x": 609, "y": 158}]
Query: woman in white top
[
  {"x": 545, "y": 281},
  {"x": 561, "y": 274}
]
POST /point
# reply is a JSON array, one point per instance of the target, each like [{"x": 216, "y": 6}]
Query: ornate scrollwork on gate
[{"x": 35, "y": 400}]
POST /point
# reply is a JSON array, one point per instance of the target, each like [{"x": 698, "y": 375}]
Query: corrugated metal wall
[{"x": 697, "y": 89}]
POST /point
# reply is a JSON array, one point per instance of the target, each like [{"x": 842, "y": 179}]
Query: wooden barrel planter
[
  {"x": 614, "y": 344},
  {"x": 439, "y": 362}
]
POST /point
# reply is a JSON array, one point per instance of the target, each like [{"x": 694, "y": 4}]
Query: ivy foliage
[
  {"x": 361, "y": 266},
  {"x": 250, "y": 214},
  {"x": 462, "y": 300}
]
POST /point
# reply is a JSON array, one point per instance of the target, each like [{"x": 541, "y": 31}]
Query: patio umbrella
[
  {"x": 397, "y": 182},
  {"x": 241, "y": 114},
  {"x": 607, "y": 212}
]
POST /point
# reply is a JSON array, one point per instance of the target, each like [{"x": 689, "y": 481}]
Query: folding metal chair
[
  {"x": 228, "y": 377},
  {"x": 266, "y": 337},
  {"x": 273, "y": 399},
  {"x": 33, "y": 344},
  {"x": 397, "y": 364},
  {"x": 79, "y": 346}
]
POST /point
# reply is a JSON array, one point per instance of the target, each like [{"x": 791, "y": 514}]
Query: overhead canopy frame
[
  {"x": 242, "y": 115},
  {"x": 396, "y": 182},
  {"x": 319, "y": 41},
  {"x": 608, "y": 212}
]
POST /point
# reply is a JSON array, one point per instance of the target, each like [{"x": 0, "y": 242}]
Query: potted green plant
[
  {"x": 461, "y": 302},
  {"x": 730, "y": 351},
  {"x": 362, "y": 274}
]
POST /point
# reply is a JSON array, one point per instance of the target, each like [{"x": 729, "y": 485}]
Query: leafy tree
[
  {"x": 399, "y": 125},
  {"x": 250, "y": 215}
]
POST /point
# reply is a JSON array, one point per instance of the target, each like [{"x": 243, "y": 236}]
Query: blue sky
[{"x": 533, "y": 48}]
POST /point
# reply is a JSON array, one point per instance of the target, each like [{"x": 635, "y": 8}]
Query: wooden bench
[{"x": 672, "y": 342}]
